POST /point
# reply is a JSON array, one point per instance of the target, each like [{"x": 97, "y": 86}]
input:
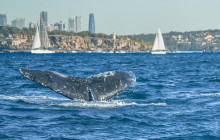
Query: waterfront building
[
  {"x": 45, "y": 18},
  {"x": 19, "y": 23},
  {"x": 32, "y": 25},
  {"x": 91, "y": 23},
  {"x": 78, "y": 23},
  {"x": 71, "y": 24},
  {"x": 114, "y": 36},
  {"x": 60, "y": 25},
  {"x": 3, "y": 20}
]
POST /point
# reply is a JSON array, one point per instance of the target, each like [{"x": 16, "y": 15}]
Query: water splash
[
  {"x": 109, "y": 104},
  {"x": 53, "y": 101}
]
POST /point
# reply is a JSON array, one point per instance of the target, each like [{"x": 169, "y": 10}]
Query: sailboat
[
  {"x": 158, "y": 47},
  {"x": 41, "y": 41}
]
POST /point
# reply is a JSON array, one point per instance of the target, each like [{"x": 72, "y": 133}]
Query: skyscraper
[
  {"x": 45, "y": 18},
  {"x": 3, "y": 20},
  {"x": 60, "y": 25},
  {"x": 32, "y": 25},
  {"x": 19, "y": 23},
  {"x": 78, "y": 23},
  {"x": 91, "y": 23},
  {"x": 71, "y": 24},
  {"x": 52, "y": 27}
]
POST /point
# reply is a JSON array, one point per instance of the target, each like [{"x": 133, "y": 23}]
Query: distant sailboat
[
  {"x": 41, "y": 40},
  {"x": 159, "y": 47}
]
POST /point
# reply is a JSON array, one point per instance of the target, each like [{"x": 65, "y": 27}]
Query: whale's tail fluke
[{"x": 99, "y": 87}]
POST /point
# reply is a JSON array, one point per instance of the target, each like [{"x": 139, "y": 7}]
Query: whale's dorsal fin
[{"x": 94, "y": 88}]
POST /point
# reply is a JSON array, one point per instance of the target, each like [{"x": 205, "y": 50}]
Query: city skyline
[{"x": 124, "y": 16}]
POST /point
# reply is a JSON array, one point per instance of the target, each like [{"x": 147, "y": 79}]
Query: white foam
[
  {"x": 189, "y": 95},
  {"x": 211, "y": 94},
  {"x": 4, "y": 97},
  {"x": 108, "y": 104},
  {"x": 53, "y": 101}
]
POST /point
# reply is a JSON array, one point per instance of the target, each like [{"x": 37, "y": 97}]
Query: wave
[
  {"x": 4, "y": 97},
  {"x": 211, "y": 94},
  {"x": 53, "y": 101},
  {"x": 188, "y": 95},
  {"x": 108, "y": 104}
]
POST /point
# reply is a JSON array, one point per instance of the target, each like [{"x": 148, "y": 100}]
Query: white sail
[
  {"x": 158, "y": 47},
  {"x": 156, "y": 42},
  {"x": 36, "y": 44},
  {"x": 161, "y": 45},
  {"x": 41, "y": 39}
]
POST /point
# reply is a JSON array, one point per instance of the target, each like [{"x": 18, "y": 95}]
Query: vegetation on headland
[
  {"x": 207, "y": 40},
  {"x": 6, "y": 31},
  {"x": 92, "y": 35},
  {"x": 14, "y": 39},
  {"x": 81, "y": 34}
]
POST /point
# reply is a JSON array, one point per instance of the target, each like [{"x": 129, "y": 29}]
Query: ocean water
[{"x": 176, "y": 96}]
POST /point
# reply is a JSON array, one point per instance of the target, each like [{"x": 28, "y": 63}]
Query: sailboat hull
[
  {"x": 162, "y": 52},
  {"x": 42, "y": 51}
]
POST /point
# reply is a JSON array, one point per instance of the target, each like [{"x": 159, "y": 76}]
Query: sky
[{"x": 125, "y": 17}]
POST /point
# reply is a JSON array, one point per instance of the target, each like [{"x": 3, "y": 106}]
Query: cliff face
[{"x": 64, "y": 43}]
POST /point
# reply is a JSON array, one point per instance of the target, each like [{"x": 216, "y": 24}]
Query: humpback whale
[{"x": 99, "y": 87}]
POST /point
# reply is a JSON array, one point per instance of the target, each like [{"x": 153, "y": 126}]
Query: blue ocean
[{"x": 176, "y": 96}]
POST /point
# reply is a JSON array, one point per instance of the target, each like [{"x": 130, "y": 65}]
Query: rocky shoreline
[{"x": 68, "y": 43}]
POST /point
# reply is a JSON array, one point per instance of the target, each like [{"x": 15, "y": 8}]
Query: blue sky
[{"x": 122, "y": 16}]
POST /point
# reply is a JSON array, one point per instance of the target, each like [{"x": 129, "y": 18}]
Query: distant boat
[
  {"x": 74, "y": 51},
  {"x": 109, "y": 52},
  {"x": 159, "y": 47},
  {"x": 123, "y": 52},
  {"x": 41, "y": 40}
]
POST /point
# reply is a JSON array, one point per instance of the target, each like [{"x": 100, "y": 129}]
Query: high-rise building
[
  {"x": 91, "y": 23},
  {"x": 71, "y": 24},
  {"x": 78, "y": 23},
  {"x": 3, "y": 20},
  {"x": 51, "y": 27},
  {"x": 32, "y": 25},
  {"x": 45, "y": 17},
  {"x": 60, "y": 25},
  {"x": 19, "y": 23}
]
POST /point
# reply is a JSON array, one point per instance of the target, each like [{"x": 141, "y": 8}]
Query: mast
[{"x": 45, "y": 43}]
